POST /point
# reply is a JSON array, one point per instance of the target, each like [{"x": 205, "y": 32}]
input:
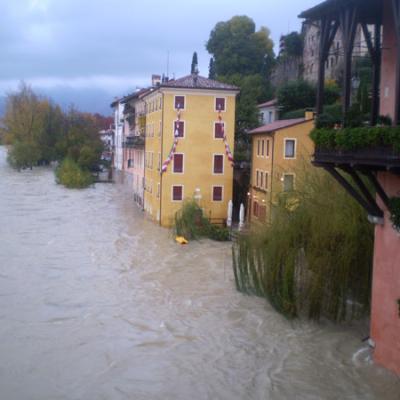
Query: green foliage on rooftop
[{"x": 356, "y": 138}]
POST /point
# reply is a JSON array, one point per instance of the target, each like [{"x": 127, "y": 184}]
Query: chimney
[{"x": 155, "y": 80}]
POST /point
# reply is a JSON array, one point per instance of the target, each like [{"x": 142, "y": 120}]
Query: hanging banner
[
  {"x": 174, "y": 145},
  {"x": 227, "y": 148}
]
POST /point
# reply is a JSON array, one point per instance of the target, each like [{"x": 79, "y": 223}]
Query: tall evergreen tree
[
  {"x": 195, "y": 63},
  {"x": 211, "y": 69}
]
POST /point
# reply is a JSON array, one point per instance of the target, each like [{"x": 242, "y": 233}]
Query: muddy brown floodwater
[{"x": 97, "y": 303}]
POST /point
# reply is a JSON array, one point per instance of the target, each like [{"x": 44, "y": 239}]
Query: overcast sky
[{"x": 88, "y": 51}]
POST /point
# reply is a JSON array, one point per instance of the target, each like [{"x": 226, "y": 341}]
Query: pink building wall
[{"x": 385, "y": 318}]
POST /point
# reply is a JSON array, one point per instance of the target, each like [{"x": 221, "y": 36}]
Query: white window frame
[
  {"x": 284, "y": 148},
  {"x": 173, "y": 105},
  {"x": 213, "y": 133},
  {"x": 215, "y": 103},
  {"x": 183, "y": 164},
  {"x": 184, "y": 128},
  {"x": 223, "y": 164},
  {"x": 266, "y": 180},
  {"x": 222, "y": 194},
  {"x": 172, "y": 193},
  {"x": 283, "y": 180},
  {"x": 267, "y": 147}
]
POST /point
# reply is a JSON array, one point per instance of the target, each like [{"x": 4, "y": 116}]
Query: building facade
[
  {"x": 189, "y": 134},
  {"x": 335, "y": 63},
  {"x": 279, "y": 151},
  {"x": 119, "y": 134},
  {"x": 379, "y": 163},
  {"x": 268, "y": 112}
]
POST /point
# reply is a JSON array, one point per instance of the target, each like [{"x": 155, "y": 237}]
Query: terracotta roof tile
[
  {"x": 198, "y": 82},
  {"x": 269, "y": 103},
  {"x": 277, "y": 125}
]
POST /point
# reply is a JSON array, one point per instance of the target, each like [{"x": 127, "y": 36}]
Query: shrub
[
  {"x": 191, "y": 224},
  {"x": 294, "y": 114},
  {"x": 356, "y": 138},
  {"x": 72, "y": 176}
]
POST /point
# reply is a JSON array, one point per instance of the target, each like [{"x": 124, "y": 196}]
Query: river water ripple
[{"x": 96, "y": 302}]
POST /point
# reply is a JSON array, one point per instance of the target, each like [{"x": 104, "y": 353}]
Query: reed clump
[
  {"x": 315, "y": 256},
  {"x": 191, "y": 223}
]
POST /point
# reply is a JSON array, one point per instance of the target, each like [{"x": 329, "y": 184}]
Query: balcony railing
[{"x": 133, "y": 142}]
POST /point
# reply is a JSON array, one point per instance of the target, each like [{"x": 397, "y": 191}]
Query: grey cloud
[{"x": 70, "y": 39}]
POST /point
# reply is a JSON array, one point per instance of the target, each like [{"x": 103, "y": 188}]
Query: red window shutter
[
  {"x": 219, "y": 130},
  {"x": 179, "y": 102},
  {"x": 179, "y": 128},
  {"x": 220, "y": 104},
  {"x": 177, "y": 193},
  {"x": 217, "y": 193},
  {"x": 178, "y": 163},
  {"x": 218, "y": 164}
]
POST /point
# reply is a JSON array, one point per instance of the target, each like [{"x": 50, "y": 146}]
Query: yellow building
[
  {"x": 279, "y": 149},
  {"x": 187, "y": 147}
]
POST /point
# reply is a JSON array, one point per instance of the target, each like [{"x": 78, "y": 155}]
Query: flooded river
[{"x": 97, "y": 303}]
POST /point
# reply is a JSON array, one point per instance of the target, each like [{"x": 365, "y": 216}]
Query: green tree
[
  {"x": 195, "y": 63},
  {"x": 292, "y": 45},
  {"x": 243, "y": 57},
  {"x": 237, "y": 48},
  {"x": 296, "y": 95}
]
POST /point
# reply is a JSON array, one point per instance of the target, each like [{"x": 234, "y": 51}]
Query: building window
[
  {"x": 290, "y": 148},
  {"x": 217, "y": 193},
  {"x": 262, "y": 148},
  {"x": 266, "y": 180},
  {"x": 257, "y": 177},
  {"x": 179, "y": 102},
  {"x": 219, "y": 130},
  {"x": 158, "y": 190},
  {"x": 179, "y": 129},
  {"x": 177, "y": 193},
  {"x": 267, "y": 149},
  {"x": 178, "y": 163},
  {"x": 270, "y": 117},
  {"x": 255, "y": 209},
  {"x": 261, "y": 179},
  {"x": 258, "y": 147},
  {"x": 288, "y": 182},
  {"x": 220, "y": 104},
  {"x": 218, "y": 164},
  {"x": 159, "y": 162}
]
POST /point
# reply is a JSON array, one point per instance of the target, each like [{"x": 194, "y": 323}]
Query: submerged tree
[{"x": 39, "y": 132}]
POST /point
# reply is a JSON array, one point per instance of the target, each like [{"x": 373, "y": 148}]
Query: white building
[
  {"x": 118, "y": 108},
  {"x": 268, "y": 112}
]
